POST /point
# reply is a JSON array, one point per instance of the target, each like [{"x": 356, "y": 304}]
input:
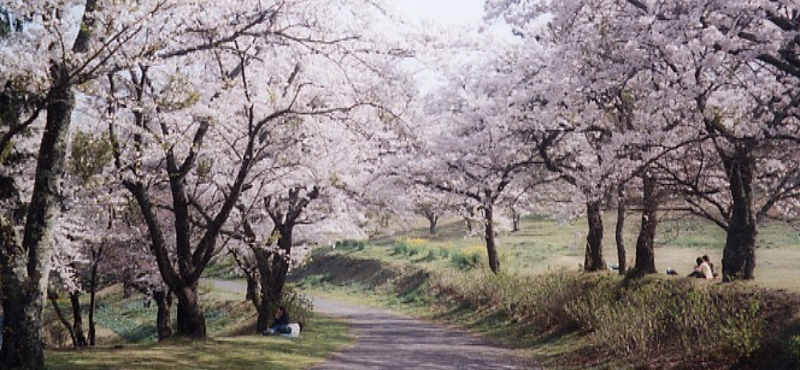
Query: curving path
[{"x": 389, "y": 341}]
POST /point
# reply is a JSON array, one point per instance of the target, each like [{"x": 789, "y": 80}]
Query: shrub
[
  {"x": 350, "y": 245},
  {"x": 299, "y": 307},
  {"x": 400, "y": 249},
  {"x": 652, "y": 315},
  {"x": 467, "y": 259},
  {"x": 408, "y": 247},
  {"x": 639, "y": 318}
]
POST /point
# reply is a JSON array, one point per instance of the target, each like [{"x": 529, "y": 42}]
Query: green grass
[
  {"x": 129, "y": 339},
  {"x": 545, "y": 245},
  {"x": 223, "y": 353}
]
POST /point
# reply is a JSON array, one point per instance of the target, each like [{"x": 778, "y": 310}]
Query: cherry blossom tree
[
  {"x": 733, "y": 60},
  {"x": 719, "y": 75},
  {"x": 211, "y": 118},
  {"x": 61, "y": 45},
  {"x": 470, "y": 149}
]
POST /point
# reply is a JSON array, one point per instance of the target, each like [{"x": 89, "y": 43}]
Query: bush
[
  {"x": 299, "y": 307},
  {"x": 466, "y": 260},
  {"x": 640, "y": 318},
  {"x": 541, "y": 301},
  {"x": 351, "y": 245},
  {"x": 651, "y": 315},
  {"x": 409, "y": 248}
]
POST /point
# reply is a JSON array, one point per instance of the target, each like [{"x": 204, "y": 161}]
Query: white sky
[
  {"x": 459, "y": 13},
  {"x": 443, "y": 11}
]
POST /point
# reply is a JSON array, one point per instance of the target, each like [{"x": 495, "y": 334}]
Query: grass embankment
[
  {"x": 567, "y": 319},
  {"x": 128, "y": 339}
]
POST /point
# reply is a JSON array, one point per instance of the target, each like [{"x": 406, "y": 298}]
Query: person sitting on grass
[
  {"x": 281, "y": 323},
  {"x": 710, "y": 266},
  {"x": 702, "y": 270}
]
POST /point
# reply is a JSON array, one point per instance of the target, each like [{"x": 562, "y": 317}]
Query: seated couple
[{"x": 704, "y": 269}]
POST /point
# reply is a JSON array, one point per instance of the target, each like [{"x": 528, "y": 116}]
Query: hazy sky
[{"x": 443, "y": 11}]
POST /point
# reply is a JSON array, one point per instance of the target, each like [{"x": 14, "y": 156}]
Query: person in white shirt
[{"x": 702, "y": 270}]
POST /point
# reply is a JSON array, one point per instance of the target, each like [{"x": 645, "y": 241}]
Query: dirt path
[{"x": 389, "y": 341}]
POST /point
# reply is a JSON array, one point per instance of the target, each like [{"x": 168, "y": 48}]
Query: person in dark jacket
[{"x": 281, "y": 323}]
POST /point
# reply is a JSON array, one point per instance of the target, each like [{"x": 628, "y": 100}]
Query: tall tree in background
[{"x": 472, "y": 150}]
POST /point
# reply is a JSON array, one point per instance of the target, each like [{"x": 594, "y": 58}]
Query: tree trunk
[
  {"x": 594, "y": 240},
  {"x": 53, "y": 297},
  {"x": 77, "y": 319},
  {"x": 92, "y": 336},
  {"x": 619, "y": 231},
  {"x": 469, "y": 218},
  {"x": 516, "y": 219},
  {"x": 263, "y": 305},
  {"x": 253, "y": 288},
  {"x": 97, "y": 255},
  {"x": 2, "y": 328},
  {"x": 273, "y": 270},
  {"x": 25, "y": 268},
  {"x": 645, "y": 253},
  {"x": 164, "y": 303},
  {"x": 280, "y": 267},
  {"x": 491, "y": 247},
  {"x": 280, "y": 264},
  {"x": 433, "y": 219},
  {"x": 739, "y": 257},
  {"x": 22, "y": 341},
  {"x": 191, "y": 321}
]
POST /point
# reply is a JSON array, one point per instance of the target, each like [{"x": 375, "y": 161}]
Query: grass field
[
  {"x": 128, "y": 339},
  {"x": 546, "y": 245}
]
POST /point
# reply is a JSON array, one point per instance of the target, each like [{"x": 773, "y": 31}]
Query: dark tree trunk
[
  {"x": 77, "y": 319},
  {"x": 516, "y": 219},
  {"x": 645, "y": 253},
  {"x": 22, "y": 341},
  {"x": 97, "y": 256},
  {"x": 26, "y": 267},
  {"x": 594, "y": 240},
  {"x": 164, "y": 303},
  {"x": 491, "y": 247},
  {"x": 274, "y": 269},
  {"x": 191, "y": 321},
  {"x": 619, "y": 231},
  {"x": 433, "y": 219},
  {"x": 53, "y": 297},
  {"x": 468, "y": 220},
  {"x": 739, "y": 257},
  {"x": 263, "y": 304},
  {"x": 272, "y": 289},
  {"x": 280, "y": 265},
  {"x": 92, "y": 335},
  {"x": 253, "y": 288}
]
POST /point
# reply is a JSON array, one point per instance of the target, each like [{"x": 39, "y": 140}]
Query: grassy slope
[
  {"x": 541, "y": 246},
  {"x": 131, "y": 344}
]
